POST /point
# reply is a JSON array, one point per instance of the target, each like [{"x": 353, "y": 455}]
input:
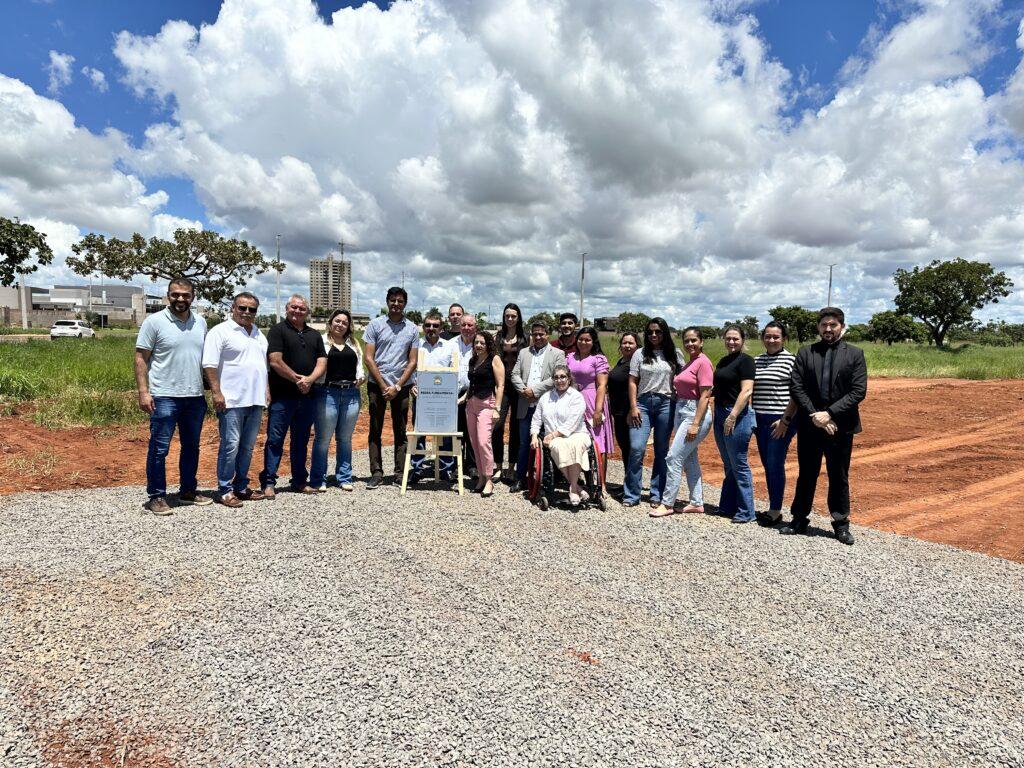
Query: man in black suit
[{"x": 830, "y": 378}]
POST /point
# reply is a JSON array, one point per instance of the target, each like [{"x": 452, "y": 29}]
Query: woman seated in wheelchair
[{"x": 561, "y": 413}]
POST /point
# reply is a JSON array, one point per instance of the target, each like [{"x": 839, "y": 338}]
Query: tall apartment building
[{"x": 330, "y": 283}]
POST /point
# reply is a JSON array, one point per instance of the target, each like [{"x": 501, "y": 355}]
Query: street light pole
[
  {"x": 583, "y": 274},
  {"x": 829, "y": 302},
  {"x": 277, "y": 284}
]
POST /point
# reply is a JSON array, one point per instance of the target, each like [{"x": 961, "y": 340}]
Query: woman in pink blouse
[
  {"x": 590, "y": 373},
  {"x": 692, "y": 388}
]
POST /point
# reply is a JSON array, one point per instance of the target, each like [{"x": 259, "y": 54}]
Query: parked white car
[{"x": 75, "y": 328}]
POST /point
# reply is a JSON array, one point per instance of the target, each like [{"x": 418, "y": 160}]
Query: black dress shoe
[
  {"x": 767, "y": 521},
  {"x": 843, "y": 535},
  {"x": 517, "y": 487},
  {"x": 374, "y": 482},
  {"x": 797, "y": 526}
]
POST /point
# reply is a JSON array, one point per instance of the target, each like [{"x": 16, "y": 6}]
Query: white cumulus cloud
[
  {"x": 96, "y": 78},
  {"x": 479, "y": 146},
  {"x": 59, "y": 71}
]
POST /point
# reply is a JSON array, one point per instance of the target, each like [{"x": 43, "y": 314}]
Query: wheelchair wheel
[{"x": 542, "y": 503}]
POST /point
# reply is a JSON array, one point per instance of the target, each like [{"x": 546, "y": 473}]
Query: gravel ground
[{"x": 365, "y": 629}]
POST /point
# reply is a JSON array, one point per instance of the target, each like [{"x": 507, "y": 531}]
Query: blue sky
[
  {"x": 456, "y": 121},
  {"x": 812, "y": 38}
]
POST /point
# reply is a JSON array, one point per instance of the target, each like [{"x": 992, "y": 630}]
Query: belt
[{"x": 341, "y": 384}]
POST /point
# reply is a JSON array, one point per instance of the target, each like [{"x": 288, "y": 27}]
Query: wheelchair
[{"x": 546, "y": 484}]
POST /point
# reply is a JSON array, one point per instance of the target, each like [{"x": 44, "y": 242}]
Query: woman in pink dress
[{"x": 590, "y": 373}]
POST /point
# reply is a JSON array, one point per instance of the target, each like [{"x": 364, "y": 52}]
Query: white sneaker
[{"x": 346, "y": 486}]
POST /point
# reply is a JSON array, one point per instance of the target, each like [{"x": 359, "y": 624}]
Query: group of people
[{"x": 561, "y": 392}]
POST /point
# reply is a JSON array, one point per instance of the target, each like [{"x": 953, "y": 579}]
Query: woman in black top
[
  {"x": 509, "y": 341},
  {"x": 486, "y": 388},
  {"x": 618, "y": 392},
  {"x": 337, "y": 402},
  {"x": 734, "y": 424}
]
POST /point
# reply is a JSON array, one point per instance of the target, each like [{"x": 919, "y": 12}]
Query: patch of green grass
[
  {"x": 920, "y": 361},
  {"x": 17, "y": 330}
]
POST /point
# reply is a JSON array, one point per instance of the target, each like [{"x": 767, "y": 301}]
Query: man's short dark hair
[
  {"x": 397, "y": 290},
  {"x": 456, "y": 304},
  {"x": 182, "y": 282},
  {"x": 539, "y": 324},
  {"x": 568, "y": 316},
  {"x": 433, "y": 316},
  {"x": 835, "y": 312},
  {"x": 245, "y": 295}
]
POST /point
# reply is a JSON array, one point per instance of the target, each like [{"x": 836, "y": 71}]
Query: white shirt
[
  {"x": 465, "y": 352},
  {"x": 439, "y": 355},
  {"x": 240, "y": 358},
  {"x": 560, "y": 413},
  {"x": 536, "y": 367}
]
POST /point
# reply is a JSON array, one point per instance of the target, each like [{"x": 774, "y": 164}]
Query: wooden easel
[{"x": 432, "y": 442}]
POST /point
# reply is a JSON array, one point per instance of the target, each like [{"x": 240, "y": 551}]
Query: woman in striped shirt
[{"x": 775, "y": 409}]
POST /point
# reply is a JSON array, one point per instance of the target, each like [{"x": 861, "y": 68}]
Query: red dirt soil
[{"x": 939, "y": 459}]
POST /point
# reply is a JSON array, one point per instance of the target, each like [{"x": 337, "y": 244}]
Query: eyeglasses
[
  {"x": 560, "y": 377},
  {"x": 431, "y": 325},
  {"x": 247, "y": 310},
  {"x": 654, "y": 331}
]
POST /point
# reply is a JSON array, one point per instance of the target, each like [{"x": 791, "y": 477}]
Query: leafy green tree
[
  {"x": 636, "y": 322},
  {"x": 550, "y": 319},
  {"x": 18, "y": 243},
  {"x": 857, "y": 332},
  {"x": 946, "y": 293},
  {"x": 216, "y": 266},
  {"x": 434, "y": 311},
  {"x": 801, "y": 324},
  {"x": 749, "y": 325},
  {"x": 415, "y": 316},
  {"x": 889, "y": 326}
]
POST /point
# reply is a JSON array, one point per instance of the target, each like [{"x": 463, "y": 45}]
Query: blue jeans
[
  {"x": 523, "y": 460},
  {"x": 738, "y": 487},
  {"x": 337, "y": 411},
  {"x": 297, "y": 415},
  {"x": 656, "y": 412},
  {"x": 239, "y": 428},
  {"x": 186, "y": 414},
  {"x": 773, "y": 457},
  {"x": 682, "y": 456}
]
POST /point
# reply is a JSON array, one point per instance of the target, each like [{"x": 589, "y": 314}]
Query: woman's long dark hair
[
  {"x": 520, "y": 333},
  {"x": 591, "y": 331},
  {"x": 488, "y": 351},
  {"x": 668, "y": 347}
]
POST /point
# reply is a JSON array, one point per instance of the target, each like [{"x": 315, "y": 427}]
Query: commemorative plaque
[{"x": 437, "y": 404}]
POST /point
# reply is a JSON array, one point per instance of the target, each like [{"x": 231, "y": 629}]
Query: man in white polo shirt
[{"x": 235, "y": 361}]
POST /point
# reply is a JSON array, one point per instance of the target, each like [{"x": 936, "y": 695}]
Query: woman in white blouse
[{"x": 561, "y": 411}]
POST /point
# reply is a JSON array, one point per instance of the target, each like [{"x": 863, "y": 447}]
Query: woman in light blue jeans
[
  {"x": 337, "y": 402},
  {"x": 692, "y": 386}
]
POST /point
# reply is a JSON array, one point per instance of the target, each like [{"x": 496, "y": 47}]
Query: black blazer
[{"x": 849, "y": 383}]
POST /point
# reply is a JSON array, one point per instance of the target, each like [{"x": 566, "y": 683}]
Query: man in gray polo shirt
[
  {"x": 168, "y": 373},
  {"x": 389, "y": 349}
]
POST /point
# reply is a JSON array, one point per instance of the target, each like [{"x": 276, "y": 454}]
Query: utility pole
[
  {"x": 583, "y": 274},
  {"x": 829, "y": 302},
  {"x": 277, "y": 284}
]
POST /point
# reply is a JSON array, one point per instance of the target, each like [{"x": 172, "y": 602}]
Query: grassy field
[
  {"x": 90, "y": 382},
  {"x": 913, "y": 360}
]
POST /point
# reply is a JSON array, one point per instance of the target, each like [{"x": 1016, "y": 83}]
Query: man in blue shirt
[
  {"x": 389, "y": 349},
  {"x": 169, "y": 377}
]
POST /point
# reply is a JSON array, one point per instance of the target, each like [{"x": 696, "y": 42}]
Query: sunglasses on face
[
  {"x": 654, "y": 332},
  {"x": 561, "y": 377},
  {"x": 247, "y": 310},
  {"x": 431, "y": 325}
]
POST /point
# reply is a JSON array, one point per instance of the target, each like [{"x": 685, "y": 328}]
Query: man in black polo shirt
[
  {"x": 455, "y": 313},
  {"x": 297, "y": 358}
]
